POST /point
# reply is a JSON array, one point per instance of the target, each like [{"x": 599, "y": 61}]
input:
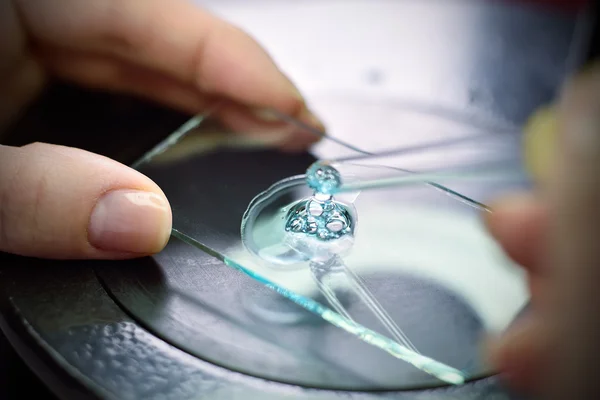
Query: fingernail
[
  {"x": 306, "y": 136},
  {"x": 310, "y": 118},
  {"x": 266, "y": 115},
  {"x": 293, "y": 138},
  {"x": 130, "y": 221},
  {"x": 280, "y": 133},
  {"x": 540, "y": 137},
  {"x": 306, "y": 116}
]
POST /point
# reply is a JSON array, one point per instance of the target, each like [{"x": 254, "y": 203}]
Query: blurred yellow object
[{"x": 540, "y": 138}]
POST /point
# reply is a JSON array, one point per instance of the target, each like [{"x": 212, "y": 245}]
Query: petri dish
[{"x": 420, "y": 270}]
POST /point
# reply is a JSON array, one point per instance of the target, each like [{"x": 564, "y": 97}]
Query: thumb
[{"x": 65, "y": 203}]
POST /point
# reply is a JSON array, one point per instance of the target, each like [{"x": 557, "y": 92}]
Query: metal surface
[
  {"x": 483, "y": 62},
  {"x": 93, "y": 342}
]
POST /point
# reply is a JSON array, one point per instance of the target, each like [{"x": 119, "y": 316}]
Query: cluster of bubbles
[
  {"x": 323, "y": 178},
  {"x": 320, "y": 216}
]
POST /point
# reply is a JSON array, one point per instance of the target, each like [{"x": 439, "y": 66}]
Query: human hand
[
  {"x": 555, "y": 234},
  {"x": 58, "y": 202}
]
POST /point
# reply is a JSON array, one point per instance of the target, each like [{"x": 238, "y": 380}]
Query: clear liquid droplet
[{"x": 323, "y": 179}]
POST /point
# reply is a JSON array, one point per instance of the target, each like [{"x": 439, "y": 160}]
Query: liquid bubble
[
  {"x": 323, "y": 178},
  {"x": 292, "y": 223},
  {"x": 325, "y": 220},
  {"x": 320, "y": 228}
]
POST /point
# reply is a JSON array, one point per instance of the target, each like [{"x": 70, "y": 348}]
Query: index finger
[{"x": 174, "y": 37}]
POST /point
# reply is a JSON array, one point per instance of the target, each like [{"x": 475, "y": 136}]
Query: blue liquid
[
  {"x": 319, "y": 227},
  {"x": 320, "y": 217},
  {"x": 323, "y": 178}
]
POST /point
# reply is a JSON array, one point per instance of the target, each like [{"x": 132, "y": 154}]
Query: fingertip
[
  {"x": 303, "y": 137},
  {"x": 234, "y": 65},
  {"x": 515, "y": 201},
  {"x": 289, "y": 133},
  {"x": 510, "y": 212},
  {"x": 130, "y": 221},
  {"x": 71, "y": 204},
  {"x": 517, "y": 224},
  {"x": 516, "y": 355}
]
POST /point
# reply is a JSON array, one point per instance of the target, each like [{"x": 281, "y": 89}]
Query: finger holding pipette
[{"x": 554, "y": 233}]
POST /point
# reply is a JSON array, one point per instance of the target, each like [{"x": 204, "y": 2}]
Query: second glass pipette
[{"x": 472, "y": 158}]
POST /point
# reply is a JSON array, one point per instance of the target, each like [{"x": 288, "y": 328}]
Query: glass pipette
[
  {"x": 393, "y": 170},
  {"x": 435, "y": 368},
  {"x": 489, "y": 157},
  {"x": 426, "y": 364}
]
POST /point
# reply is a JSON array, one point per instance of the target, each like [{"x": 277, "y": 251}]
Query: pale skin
[
  {"x": 169, "y": 51},
  {"x": 555, "y": 234},
  {"x": 64, "y": 203}
]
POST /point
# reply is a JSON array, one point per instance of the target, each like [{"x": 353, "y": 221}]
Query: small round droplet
[
  {"x": 323, "y": 179},
  {"x": 323, "y": 234},
  {"x": 297, "y": 225},
  {"x": 311, "y": 226},
  {"x": 336, "y": 225},
  {"x": 315, "y": 208}
]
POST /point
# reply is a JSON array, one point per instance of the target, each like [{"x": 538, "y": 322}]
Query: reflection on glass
[{"x": 319, "y": 234}]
